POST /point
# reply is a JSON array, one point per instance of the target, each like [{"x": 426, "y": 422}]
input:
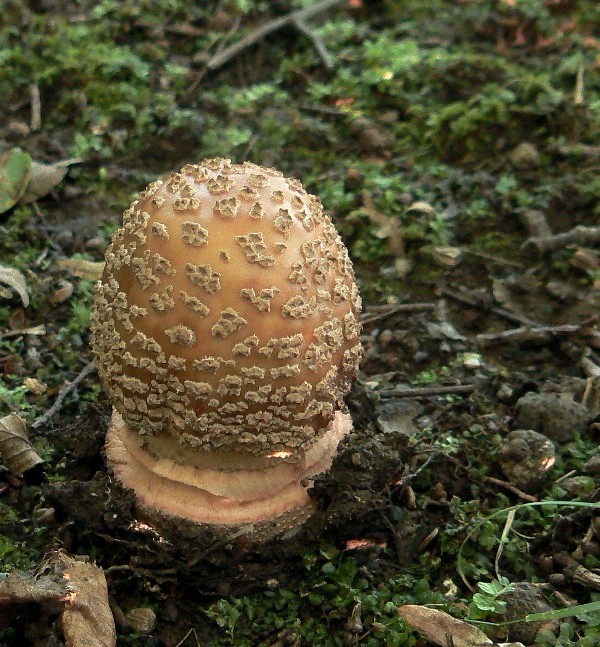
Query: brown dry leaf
[
  {"x": 14, "y": 176},
  {"x": 389, "y": 228},
  {"x": 87, "y": 618},
  {"x": 15, "y": 279},
  {"x": 42, "y": 179},
  {"x": 443, "y": 629},
  {"x": 44, "y": 585},
  {"x": 15, "y": 449},
  {"x": 35, "y": 386},
  {"x": 423, "y": 207},
  {"x": 76, "y": 587},
  {"x": 82, "y": 269},
  {"x": 446, "y": 256}
]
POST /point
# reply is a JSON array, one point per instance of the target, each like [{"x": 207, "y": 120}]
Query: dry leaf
[
  {"x": 42, "y": 179},
  {"x": 15, "y": 449},
  {"x": 441, "y": 628},
  {"x": 67, "y": 584},
  {"x": 15, "y": 279},
  {"x": 423, "y": 207},
  {"x": 44, "y": 585},
  {"x": 87, "y": 618},
  {"x": 35, "y": 386},
  {"x": 389, "y": 228},
  {"x": 447, "y": 256},
  {"x": 14, "y": 176},
  {"x": 81, "y": 268}
]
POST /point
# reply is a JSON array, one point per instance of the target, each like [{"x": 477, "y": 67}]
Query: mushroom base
[{"x": 272, "y": 499}]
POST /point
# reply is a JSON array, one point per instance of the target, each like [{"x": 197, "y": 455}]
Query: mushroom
[{"x": 226, "y": 333}]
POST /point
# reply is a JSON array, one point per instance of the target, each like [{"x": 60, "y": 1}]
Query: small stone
[
  {"x": 505, "y": 393},
  {"x": 141, "y": 619},
  {"x": 592, "y": 466},
  {"x": 525, "y": 156},
  {"x": 527, "y": 458},
  {"x": 472, "y": 361},
  {"x": 33, "y": 385},
  {"x": 526, "y": 598},
  {"x": 557, "y": 416}
]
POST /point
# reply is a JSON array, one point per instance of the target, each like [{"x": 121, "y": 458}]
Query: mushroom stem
[{"x": 216, "y": 494}]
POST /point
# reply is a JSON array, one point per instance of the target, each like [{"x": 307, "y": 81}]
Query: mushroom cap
[{"x": 227, "y": 313}]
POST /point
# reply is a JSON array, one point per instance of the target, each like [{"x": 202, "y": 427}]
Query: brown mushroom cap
[{"x": 227, "y": 314}]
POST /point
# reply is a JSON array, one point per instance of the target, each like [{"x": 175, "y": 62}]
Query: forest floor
[{"x": 456, "y": 147}]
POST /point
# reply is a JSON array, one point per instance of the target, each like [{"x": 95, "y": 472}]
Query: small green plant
[{"x": 489, "y": 599}]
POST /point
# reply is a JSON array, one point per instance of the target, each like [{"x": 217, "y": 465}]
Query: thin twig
[
  {"x": 317, "y": 41},
  {"x": 62, "y": 394},
  {"x": 540, "y": 335},
  {"x": 218, "y": 60},
  {"x": 425, "y": 391},
  {"x": 36, "y": 107},
  {"x": 244, "y": 530},
  {"x": 536, "y": 224},
  {"x": 493, "y": 258},
  {"x": 511, "y": 488},
  {"x": 580, "y": 235},
  {"x": 479, "y": 302},
  {"x": 582, "y": 150},
  {"x": 401, "y": 307},
  {"x": 34, "y": 330}
]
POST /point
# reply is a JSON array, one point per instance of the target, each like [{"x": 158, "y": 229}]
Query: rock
[
  {"x": 557, "y": 416},
  {"x": 527, "y": 456},
  {"x": 526, "y": 598},
  {"x": 141, "y": 619},
  {"x": 525, "y": 156}
]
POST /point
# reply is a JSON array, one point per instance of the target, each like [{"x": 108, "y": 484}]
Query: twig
[
  {"x": 542, "y": 334},
  {"x": 34, "y": 330},
  {"x": 590, "y": 368},
  {"x": 581, "y": 575},
  {"x": 510, "y": 487},
  {"x": 36, "y": 107},
  {"x": 479, "y": 302},
  {"x": 582, "y": 150},
  {"x": 244, "y": 530},
  {"x": 218, "y": 60},
  {"x": 317, "y": 41},
  {"x": 536, "y": 224},
  {"x": 425, "y": 391},
  {"x": 579, "y": 94},
  {"x": 493, "y": 258},
  {"x": 580, "y": 235},
  {"x": 401, "y": 307},
  {"x": 62, "y": 394}
]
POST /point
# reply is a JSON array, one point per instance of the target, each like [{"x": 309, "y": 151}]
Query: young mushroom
[{"x": 226, "y": 333}]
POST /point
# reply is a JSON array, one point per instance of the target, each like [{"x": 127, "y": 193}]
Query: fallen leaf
[
  {"x": 87, "y": 618},
  {"x": 44, "y": 585},
  {"x": 389, "y": 228},
  {"x": 42, "y": 179},
  {"x": 15, "y": 168},
  {"x": 35, "y": 386},
  {"x": 423, "y": 207},
  {"x": 441, "y": 628},
  {"x": 71, "y": 585},
  {"x": 14, "y": 279},
  {"x": 81, "y": 268},
  {"x": 447, "y": 256},
  {"x": 15, "y": 449}
]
